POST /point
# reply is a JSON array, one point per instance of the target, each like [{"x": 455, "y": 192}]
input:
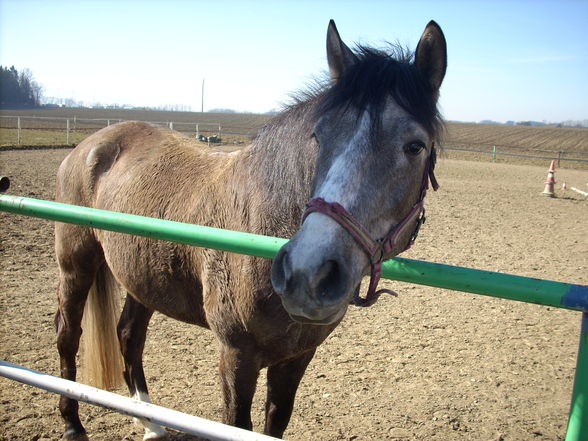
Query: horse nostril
[
  {"x": 330, "y": 281},
  {"x": 281, "y": 272}
]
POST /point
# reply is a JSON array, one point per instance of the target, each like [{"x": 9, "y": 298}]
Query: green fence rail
[{"x": 508, "y": 286}]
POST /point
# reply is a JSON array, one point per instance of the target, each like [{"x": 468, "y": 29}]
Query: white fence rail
[
  {"x": 129, "y": 406},
  {"x": 69, "y": 131},
  {"x": 549, "y": 155}
]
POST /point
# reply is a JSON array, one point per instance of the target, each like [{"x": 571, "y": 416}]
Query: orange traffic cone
[{"x": 550, "y": 181}]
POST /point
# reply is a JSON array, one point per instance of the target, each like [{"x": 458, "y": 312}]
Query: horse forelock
[{"x": 379, "y": 74}]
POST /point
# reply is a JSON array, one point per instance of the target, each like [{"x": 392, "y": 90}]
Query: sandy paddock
[{"x": 431, "y": 365}]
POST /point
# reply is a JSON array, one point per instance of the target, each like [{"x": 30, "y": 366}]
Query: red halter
[{"x": 380, "y": 249}]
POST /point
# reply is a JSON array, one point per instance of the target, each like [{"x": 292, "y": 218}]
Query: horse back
[
  {"x": 134, "y": 167},
  {"x": 93, "y": 158}
]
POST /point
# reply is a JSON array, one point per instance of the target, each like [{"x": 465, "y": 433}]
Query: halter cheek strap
[{"x": 380, "y": 249}]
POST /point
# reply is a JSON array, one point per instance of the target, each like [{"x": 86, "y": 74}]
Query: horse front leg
[
  {"x": 239, "y": 370},
  {"x": 132, "y": 334},
  {"x": 283, "y": 380}
]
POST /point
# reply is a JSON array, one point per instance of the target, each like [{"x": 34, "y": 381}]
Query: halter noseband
[{"x": 380, "y": 249}]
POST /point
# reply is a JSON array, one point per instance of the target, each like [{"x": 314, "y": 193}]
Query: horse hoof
[
  {"x": 75, "y": 437},
  {"x": 156, "y": 436},
  {"x": 155, "y": 433}
]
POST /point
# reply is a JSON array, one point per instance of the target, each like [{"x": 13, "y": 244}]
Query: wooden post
[
  {"x": 67, "y": 132},
  {"x": 18, "y": 130}
]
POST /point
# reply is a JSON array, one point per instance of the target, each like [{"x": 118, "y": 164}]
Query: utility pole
[{"x": 202, "y": 95}]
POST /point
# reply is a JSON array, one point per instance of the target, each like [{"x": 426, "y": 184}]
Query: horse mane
[
  {"x": 282, "y": 157},
  {"x": 377, "y": 74}
]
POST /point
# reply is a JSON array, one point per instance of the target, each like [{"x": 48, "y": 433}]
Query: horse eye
[{"x": 414, "y": 148}]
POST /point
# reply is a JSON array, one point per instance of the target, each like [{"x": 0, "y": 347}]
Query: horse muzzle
[{"x": 314, "y": 289}]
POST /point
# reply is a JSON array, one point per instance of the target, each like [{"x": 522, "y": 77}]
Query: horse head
[{"x": 375, "y": 131}]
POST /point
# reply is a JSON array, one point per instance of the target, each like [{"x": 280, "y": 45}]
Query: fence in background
[
  {"x": 494, "y": 152},
  {"x": 47, "y": 131},
  {"x": 61, "y": 131}
]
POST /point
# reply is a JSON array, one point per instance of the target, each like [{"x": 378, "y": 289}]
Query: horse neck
[{"x": 277, "y": 171}]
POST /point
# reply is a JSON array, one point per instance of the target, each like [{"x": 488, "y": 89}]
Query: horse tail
[{"x": 101, "y": 358}]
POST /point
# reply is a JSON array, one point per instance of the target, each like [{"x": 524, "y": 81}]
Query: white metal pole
[
  {"x": 577, "y": 190},
  {"x": 129, "y": 406}
]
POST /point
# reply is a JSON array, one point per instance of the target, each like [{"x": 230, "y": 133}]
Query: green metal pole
[
  {"x": 543, "y": 292},
  {"x": 490, "y": 283},
  {"x": 578, "y": 422},
  {"x": 226, "y": 240}
]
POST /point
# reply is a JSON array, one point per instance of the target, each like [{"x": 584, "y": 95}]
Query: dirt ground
[{"x": 429, "y": 365}]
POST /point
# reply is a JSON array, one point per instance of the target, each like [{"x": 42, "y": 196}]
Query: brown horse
[{"x": 364, "y": 140}]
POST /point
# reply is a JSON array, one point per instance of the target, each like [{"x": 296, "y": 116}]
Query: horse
[{"x": 352, "y": 159}]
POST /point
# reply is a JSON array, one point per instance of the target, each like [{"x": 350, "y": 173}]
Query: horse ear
[
  {"x": 339, "y": 56},
  {"x": 431, "y": 55}
]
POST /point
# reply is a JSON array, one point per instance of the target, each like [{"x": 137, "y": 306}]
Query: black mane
[{"x": 376, "y": 75}]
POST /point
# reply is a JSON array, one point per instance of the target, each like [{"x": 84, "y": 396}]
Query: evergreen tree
[{"x": 18, "y": 89}]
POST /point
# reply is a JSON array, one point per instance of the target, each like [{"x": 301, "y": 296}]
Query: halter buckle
[{"x": 419, "y": 223}]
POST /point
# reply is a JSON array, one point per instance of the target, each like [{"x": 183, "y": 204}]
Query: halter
[{"x": 380, "y": 249}]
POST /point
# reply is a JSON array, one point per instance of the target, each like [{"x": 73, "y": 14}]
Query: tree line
[{"x": 18, "y": 89}]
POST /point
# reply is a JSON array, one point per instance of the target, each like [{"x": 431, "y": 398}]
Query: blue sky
[{"x": 515, "y": 60}]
